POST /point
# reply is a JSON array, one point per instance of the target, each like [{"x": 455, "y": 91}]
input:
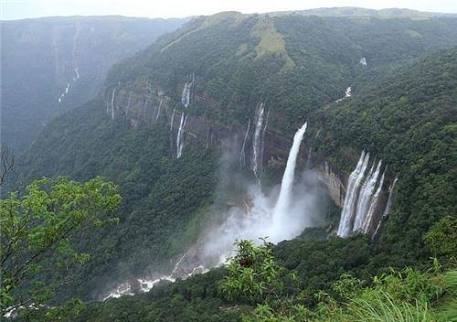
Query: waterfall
[
  {"x": 348, "y": 92},
  {"x": 76, "y": 71},
  {"x": 257, "y": 141},
  {"x": 185, "y": 97},
  {"x": 74, "y": 50},
  {"x": 367, "y": 223},
  {"x": 186, "y": 92},
  {"x": 262, "y": 139},
  {"x": 112, "y": 103},
  {"x": 158, "y": 109},
  {"x": 361, "y": 202},
  {"x": 282, "y": 206},
  {"x": 185, "y": 100},
  {"x": 243, "y": 146},
  {"x": 366, "y": 197},
  {"x": 390, "y": 198},
  {"x": 145, "y": 285},
  {"x": 388, "y": 205},
  {"x": 179, "y": 137},
  {"x": 353, "y": 187}
]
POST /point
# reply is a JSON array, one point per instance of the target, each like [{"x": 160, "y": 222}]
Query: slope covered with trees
[{"x": 403, "y": 111}]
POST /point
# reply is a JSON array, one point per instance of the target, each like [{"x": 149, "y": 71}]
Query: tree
[
  {"x": 39, "y": 235},
  {"x": 441, "y": 239},
  {"x": 253, "y": 273}
]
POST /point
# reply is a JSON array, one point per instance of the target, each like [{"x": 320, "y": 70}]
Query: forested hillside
[
  {"x": 319, "y": 263},
  {"x": 407, "y": 119},
  {"x": 175, "y": 125},
  {"x": 50, "y": 65}
]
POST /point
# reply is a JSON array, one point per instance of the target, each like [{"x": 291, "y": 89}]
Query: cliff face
[{"x": 148, "y": 110}]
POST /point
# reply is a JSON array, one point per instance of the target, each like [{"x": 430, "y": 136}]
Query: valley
[{"x": 288, "y": 166}]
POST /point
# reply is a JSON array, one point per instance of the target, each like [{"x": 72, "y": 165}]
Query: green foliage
[
  {"x": 40, "y": 230},
  {"x": 407, "y": 118},
  {"x": 404, "y": 116},
  {"x": 165, "y": 200},
  {"x": 253, "y": 274},
  {"x": 396, "y": 296},
  {"x": 441, "y": 239}
]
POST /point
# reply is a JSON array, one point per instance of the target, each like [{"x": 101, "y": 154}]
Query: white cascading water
[
  {"x": 243, "y": 146},
  {"x": 390, "y": 198},
  {"x": 257, "y": 140},
  {"x": 352, "y": 192},
  {"x": 367, "y": 223},
  {"x": 112, "y": 103},
  {"x": 185, "y": 100},
  {"x": 179, "y": 136},
  {"x": 362, "y": 198},
  {"x": 75, "y": 66},
  {"x": 158, "y": 109},
  {"x": 262, "y": 141},
  {"x": 145, "y": 284},
  {"x": 281, "y": 209},
  {"x": 185, "y": 97},
  {"x": 365, "y": 197},
  {"x": 76, "y": 71},
  {"x": 388, "y": 207},
  {"x": 279, "y": 218},
  {"x": 347, "y": 94}
]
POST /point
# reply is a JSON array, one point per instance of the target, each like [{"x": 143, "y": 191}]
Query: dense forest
[{"x": 402, "y": 109}]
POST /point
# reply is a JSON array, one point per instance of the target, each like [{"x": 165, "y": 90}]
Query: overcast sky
[{"x": 17, "y": 9}]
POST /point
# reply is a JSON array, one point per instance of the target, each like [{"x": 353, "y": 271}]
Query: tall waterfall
[
  {"x": 257, "y": 142},
  {"x": 388, "y": 207},
  {"x": 179, "y": 136},
  {"x": 282, "y": 206},
  {"x": 367, "y": 223},
  {"x": 187, "y": 92},
  {"x": 185, "y": 97},
  {"x": 112, "y": 103},
  {"x": 390, "y": 198},
  {"x": 362, "y": 198},
  {"x": 261, "y": 216},
  {"x": 158, "y": 109},
  {"x": 365, "y": 197},
  {"x": 185, "y": 101},
  {"x": 243, "y": 146},
  {"x": 353, "y": 187}
]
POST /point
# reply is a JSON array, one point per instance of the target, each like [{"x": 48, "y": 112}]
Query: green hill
[{"x": 402, "y": 110}]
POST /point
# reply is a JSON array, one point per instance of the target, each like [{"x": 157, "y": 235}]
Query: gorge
[{"x": 203, "y": 136}]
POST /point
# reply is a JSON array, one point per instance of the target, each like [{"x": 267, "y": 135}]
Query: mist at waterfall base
[
  {"x": 277, "y": 213},
  {"x": 243, "y": 209}
]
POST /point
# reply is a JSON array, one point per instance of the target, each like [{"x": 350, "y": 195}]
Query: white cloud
[{"x": 15, "y": 9}]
